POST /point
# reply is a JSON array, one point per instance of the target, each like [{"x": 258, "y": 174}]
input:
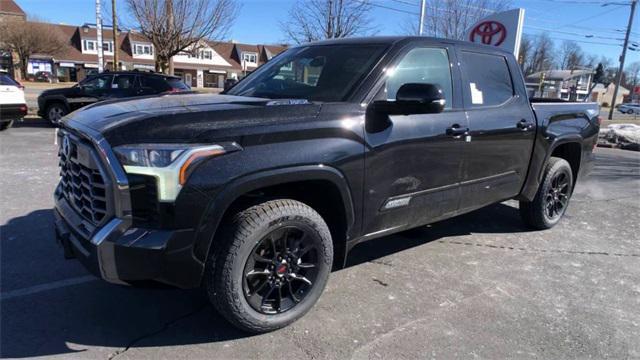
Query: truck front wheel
[
  {"x": 552, "y": 198},
  {"x": 269, "y": 265}
]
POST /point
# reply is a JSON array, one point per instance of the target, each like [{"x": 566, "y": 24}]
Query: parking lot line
[{"x": 45, "y": 287}]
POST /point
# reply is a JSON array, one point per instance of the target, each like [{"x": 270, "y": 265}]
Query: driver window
[
  {"x": 304, "y": 71},
  {"x": 98, "y": 83},
  {"x": 421, "y": 65}
]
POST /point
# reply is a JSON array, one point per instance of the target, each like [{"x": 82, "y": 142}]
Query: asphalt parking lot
[{"x": 479, "y": 285}]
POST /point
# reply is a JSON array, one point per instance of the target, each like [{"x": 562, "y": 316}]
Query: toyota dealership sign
[{"x": 503, "y": 29}]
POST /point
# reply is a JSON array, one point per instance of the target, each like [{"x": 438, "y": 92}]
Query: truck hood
[{"x": 187, "y": 117}]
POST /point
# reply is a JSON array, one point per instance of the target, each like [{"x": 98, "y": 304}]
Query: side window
[
  {"x": 422, "y": 65},
  {"x": 123, "y": 82},
  {"x": 98, "y": 83},
  {"x": 488, "y": 79}
]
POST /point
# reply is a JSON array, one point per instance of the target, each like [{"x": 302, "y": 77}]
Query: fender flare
[
  {"x": 560, "y": 140},
  {"x": 56, "y": 98},
  {"x": 217, "y": 207}
]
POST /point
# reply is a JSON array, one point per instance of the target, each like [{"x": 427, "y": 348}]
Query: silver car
[{"x": 629, "y": 108}]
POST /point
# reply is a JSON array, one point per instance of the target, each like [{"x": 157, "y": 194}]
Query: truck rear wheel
[
  {"x": 270, "y": 265},
  {"x": 552, "y": 198}
]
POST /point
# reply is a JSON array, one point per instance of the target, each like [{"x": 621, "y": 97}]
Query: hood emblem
[{"x": 66, "y": 146}]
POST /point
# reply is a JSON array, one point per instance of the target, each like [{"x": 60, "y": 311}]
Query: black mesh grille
[{"x": 82, "y": 184}]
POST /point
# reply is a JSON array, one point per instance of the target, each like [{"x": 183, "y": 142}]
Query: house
[
  {"x": 561, "y": 84},
  {"x": 206, "y": 64},
  {"x": 603, "y": 95},
  {"x": 9, "y": 11}
]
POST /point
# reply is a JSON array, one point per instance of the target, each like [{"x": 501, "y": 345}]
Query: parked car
[
  {"x": 12, "y": 102},
  {"x": 256, "y": 194},
  {"x": 53, "y": 104},
  {"x": 45, "y": 76},
  {"x": 629, "y": 108}
]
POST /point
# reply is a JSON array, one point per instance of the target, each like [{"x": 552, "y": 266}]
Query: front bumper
[{"x": 123, "y": 255}]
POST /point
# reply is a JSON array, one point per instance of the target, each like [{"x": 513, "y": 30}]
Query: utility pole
[
  {"x": 422, "y": 7},
  {"x": 116, "y": 64},
  {"x": 330, "y": 20},
  {"x": 624, "y": 54},
  {"x": 99, "y": 35}
]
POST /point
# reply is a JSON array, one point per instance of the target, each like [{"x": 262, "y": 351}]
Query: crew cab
[
  {"x": 53, "y": 104},
  {"x": 257, "y": 193},
  {"x": 13, "y": 105}
]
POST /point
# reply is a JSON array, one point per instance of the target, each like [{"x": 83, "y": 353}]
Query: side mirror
[{"x": 414, "y": 98}]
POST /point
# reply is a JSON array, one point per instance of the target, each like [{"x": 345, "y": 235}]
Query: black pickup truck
[{"x": 257, "y": 193}]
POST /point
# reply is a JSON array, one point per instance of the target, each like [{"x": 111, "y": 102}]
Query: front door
[
  {"x": 188, "y": 79},
  {"x": 502, "y": 129},
  {"x": 89, "y": 91},
  {"x": 412, "y": 164}
]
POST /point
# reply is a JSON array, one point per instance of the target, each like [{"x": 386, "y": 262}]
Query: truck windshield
[{"x": 315, "y": 73}]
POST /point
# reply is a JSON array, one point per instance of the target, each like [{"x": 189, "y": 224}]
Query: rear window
[
  {"x": 177, "y": 84},
  {"x": 155, "y": 83},
  {"x": 488, "y": 79},
  {"x": 6, "y": 80}
]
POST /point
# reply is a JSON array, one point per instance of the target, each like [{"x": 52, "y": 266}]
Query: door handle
[
  {"x": 524, "y": 125},
  {"x": 456, "y": 131}
]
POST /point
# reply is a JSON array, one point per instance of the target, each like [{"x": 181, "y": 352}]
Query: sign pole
[
  {"x": 99, "y": 36},
  {"x": 422, "y": 6},
  {"x": 624, "y": 54}
]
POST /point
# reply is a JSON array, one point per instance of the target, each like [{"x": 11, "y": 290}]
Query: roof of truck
[{"x": 390, "y": 40}]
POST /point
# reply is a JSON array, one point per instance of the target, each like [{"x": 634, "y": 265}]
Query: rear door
[
  {"x": 413, "y": 166},
  {"x": 501, "y": 128},
  {"x": 123, "y": 86},
  {"x": 10, "y": 93}
]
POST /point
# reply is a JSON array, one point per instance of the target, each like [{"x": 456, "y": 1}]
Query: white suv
[{"x": 12, "y": 103}]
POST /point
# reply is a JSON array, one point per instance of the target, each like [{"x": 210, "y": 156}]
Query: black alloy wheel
[
  {"x": 281, "y": 270},
  {"x": 557, "y": 197},
  {"x": 552, "y": 198},
  {"x": 270, "y": 264}
]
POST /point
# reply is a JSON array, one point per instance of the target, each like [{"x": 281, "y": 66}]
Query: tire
[
  {"x": 55, "y": 112},
  {"x": 243, "y": 271},
  {"x": 6, "y": 125},
  {"x": 552, "y": 199}
]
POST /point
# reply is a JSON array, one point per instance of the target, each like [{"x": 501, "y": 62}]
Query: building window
[
  {"x": 92, "y": 45},
  {"x": 251, "y": 58},
  {"x": 143, "y": 49},
  {"x": 206, "y": 54}
]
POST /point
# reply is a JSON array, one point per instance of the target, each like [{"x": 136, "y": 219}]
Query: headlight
[{"x": 170, "y": 164}]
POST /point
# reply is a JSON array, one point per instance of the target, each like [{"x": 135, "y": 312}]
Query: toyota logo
[
  {"x": 490, "y": 33},
  {"x": 66, "y": 146}
]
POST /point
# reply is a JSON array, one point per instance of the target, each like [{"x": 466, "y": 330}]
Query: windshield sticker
[{"x": 476, "y": 95}]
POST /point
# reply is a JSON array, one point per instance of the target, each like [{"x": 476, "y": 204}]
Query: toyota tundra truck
[{"x": 256, "y": 194}]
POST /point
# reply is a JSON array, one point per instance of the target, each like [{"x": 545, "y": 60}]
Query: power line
[
  {"x": 573, "y": 33},
  {"x": 578, "y": 41}
]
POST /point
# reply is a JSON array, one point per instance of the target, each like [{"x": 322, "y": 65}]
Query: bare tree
[
  {"x": 311, "y": 20},
  {"x": 571, "y": 55},
  {"x": 633, "y": 70},
  {"x": 175, "y": 26},
  {"x": 526, "y": 47},
  {"x": 541, "y": 58},
  {"x": 451, "y": 19},
  {"x": 30, "y": 38}
]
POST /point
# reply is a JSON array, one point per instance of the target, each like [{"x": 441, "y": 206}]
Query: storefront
[
  {"x": 66, "y": 72},
  {"x": 214, "y": 78}
]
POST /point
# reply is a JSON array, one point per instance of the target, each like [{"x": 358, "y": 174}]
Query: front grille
[{"x": 82, "y": 183}]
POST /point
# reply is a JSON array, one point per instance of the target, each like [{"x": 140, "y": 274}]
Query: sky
[{"x": 593, "y": 25}]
